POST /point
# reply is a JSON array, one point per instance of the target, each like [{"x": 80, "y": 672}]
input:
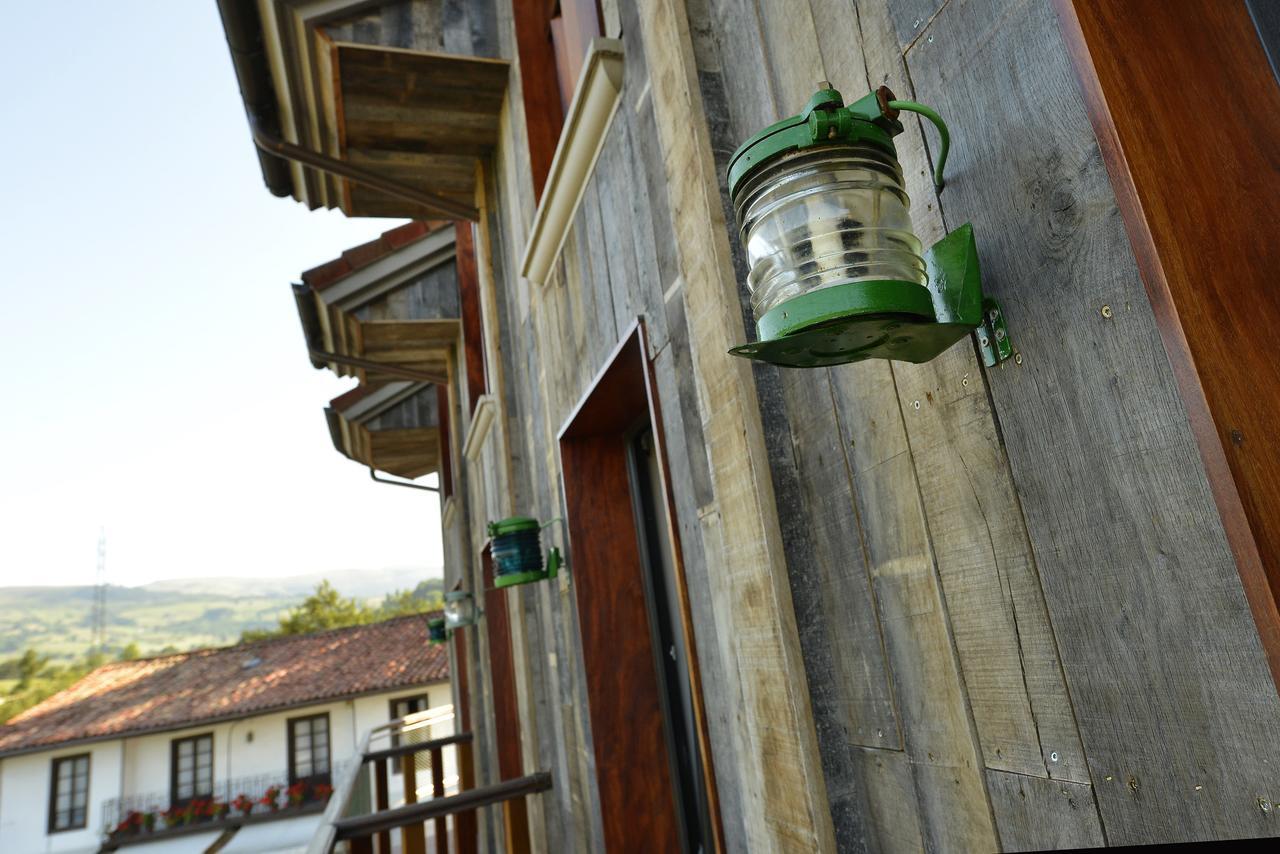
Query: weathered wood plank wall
[
  {"x": 935, "y": 607},
  {"x": 1166, "y": 673}
]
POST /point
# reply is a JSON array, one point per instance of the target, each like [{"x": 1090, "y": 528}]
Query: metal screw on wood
[
  {"x": 1106, "y": 311},
  {"x": 916, "y": 24},
  {"x": 1017, "y": 358},
  {"x": 1264, "y": 804},
  {"x": 1053, "y": 757},
  {"x": 915, "y": 404}
]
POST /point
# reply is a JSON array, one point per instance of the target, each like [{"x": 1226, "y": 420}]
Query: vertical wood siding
[{"x": 935, "y": 606}]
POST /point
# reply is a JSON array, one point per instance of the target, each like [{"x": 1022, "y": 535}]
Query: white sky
[{"x": 153, "y": 376}]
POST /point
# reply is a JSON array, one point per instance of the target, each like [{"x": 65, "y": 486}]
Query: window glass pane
[{"x": 70, "y": 792}]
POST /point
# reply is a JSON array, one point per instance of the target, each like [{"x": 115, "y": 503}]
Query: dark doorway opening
[{"x": 647, "y": 722}]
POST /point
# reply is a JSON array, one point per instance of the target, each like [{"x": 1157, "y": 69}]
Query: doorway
[{"x": 647, "y": 722}]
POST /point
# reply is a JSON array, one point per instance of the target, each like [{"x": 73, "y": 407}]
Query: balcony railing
[
  {"x": 234, "y": 802},
  {"x": 359, "y": 818}
]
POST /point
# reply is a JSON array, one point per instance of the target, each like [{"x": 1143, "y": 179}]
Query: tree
[
  {"x": 130, "y": 652},
  {"x": 416, "y": 601},
  {"x": 323, "y": 609},
  {"x": 29, "y": 667}
]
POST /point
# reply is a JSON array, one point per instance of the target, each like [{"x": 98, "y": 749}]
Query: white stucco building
[{"x": 191, "y": 732}]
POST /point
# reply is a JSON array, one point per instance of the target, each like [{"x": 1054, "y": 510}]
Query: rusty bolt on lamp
[{"x": 836, "y": 273}]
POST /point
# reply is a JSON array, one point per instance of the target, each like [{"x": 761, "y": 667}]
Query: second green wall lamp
[{"x": 516, "y": 547}]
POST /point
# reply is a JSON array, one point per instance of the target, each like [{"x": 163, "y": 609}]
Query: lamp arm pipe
[
  {"x": 438, "y": 204},
  {"x": 374, "y": 475},
  {"x": 945, "y": 136}
]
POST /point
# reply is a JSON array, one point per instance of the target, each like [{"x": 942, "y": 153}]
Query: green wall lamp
[
  {"x": 436, "y": 633},
  {"x": 836, "y": 273},
  {"x": 516, "y": 547},
  {"x": 460, "y": 609}
]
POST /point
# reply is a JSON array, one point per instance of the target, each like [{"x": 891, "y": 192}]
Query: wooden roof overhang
[
  {"x": 360, "y": 324},
  {"x": 393, "y": 428},
  {"x": 421, "y": 119}
]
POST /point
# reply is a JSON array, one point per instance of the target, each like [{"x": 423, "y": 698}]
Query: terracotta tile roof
[
  {"x": 176, "y": 691},
  {"x": 357, "y": 257}
]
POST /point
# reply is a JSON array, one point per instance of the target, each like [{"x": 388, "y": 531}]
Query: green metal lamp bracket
[{"x": 993, "y": 336}]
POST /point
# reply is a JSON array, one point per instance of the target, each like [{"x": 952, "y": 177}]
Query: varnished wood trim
[
  {"x": 543, "y": 116},
  {"x": 633, "y": 775},
  {"x": 686, "y": 611},
  {"x": 1084, "y": 50},
  {"x": 469, "y": 308}
]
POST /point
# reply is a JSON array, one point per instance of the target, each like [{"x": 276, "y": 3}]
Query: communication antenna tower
[{"x": 100, "y": 595}]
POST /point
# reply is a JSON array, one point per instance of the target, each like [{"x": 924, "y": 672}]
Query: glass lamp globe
[{"x": 460, "y": 609}]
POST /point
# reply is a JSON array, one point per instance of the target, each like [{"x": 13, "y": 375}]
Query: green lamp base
[
  {"x": 554, "y": 562},
  {"x": 854, "y": 321},
  {"x": 511, "y": 579}
]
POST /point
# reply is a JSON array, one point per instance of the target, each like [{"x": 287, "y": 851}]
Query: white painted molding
[
  {"x": 594, "y": 103},
  {"x": 481, "y": 422}
]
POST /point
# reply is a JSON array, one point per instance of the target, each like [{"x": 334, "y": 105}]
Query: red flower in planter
[
  {"x": 243, "y": 803},
  {"x": 131, "y": 823},
  {"x": 322, "y": 791},
  {"x": 295, "y": 792},
  {"x": 271, "y": 798},
  {"x": 175, "y": 816}
]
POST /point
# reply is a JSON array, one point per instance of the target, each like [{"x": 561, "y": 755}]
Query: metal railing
[
  {"x": 234, "y": 801},
  {"x": 360, "y": 818}
]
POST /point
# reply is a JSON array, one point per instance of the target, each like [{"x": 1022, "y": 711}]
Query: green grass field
[{"x": 57, "y": 621}]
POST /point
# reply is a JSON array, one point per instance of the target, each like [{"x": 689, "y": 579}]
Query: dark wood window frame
[
  {"x": 292, "y": 726},
  {"x": 174, "y": 747},
  {"x": 469, "y": 309},
  {"x": 636, "y": 775},
  {"x": 56, "y": 767},
  {"x": 506, "y": 707},
  {"x": 552, "y": 39}
]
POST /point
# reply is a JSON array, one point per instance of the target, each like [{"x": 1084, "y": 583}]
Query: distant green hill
[{"x": 57, "y": 621}]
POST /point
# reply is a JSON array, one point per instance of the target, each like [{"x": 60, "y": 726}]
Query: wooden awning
[
  {"x": 421, "y": 119},
  {"x": 387, "y": 310},
  {"x": 361, "y": 83},
  {"x": 393, "y": 428}
]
